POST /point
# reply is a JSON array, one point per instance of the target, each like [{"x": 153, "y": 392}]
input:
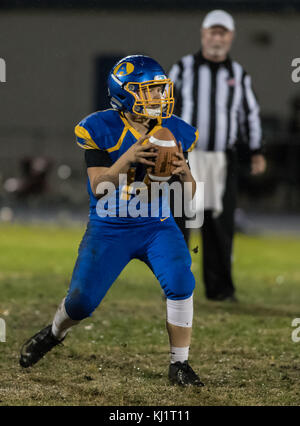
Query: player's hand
[
  {"x": 258, "y": 164},
  {"x": 140, "y": 152},
  {"x": 182, "y": 169}
]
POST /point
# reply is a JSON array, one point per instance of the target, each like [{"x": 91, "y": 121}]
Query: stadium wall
[{"x": 50, "y": 61}]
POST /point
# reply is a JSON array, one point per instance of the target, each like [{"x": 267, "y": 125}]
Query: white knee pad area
[{"x": 180, "y": 312}]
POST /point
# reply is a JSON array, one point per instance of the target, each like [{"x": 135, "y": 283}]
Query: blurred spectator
[{"x": 34, "y": 179}]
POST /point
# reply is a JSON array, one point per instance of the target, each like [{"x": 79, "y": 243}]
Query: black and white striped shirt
[{"x": 218, "y": 99}]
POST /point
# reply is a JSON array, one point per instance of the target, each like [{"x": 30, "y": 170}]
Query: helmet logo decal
[{"x": 124, "y": 69}]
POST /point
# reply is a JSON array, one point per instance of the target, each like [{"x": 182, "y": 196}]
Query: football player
[{"x": 115, "y": 143}]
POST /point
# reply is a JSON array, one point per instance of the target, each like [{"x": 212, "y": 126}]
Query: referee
[{"x": 214, "y": 93}]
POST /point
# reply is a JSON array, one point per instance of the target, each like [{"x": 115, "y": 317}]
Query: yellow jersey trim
[
  {"x": 194, "y": 143},
  {"x": 82, "y": 133},
  {"x": 120, "y": 141},
  {"x": 130, "y": 128},
  {"x": 85, "y": 146},
  {"x": 135, "y": 133}
]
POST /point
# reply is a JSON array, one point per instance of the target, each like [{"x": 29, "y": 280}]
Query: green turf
[{"x": 243, "y": 352}]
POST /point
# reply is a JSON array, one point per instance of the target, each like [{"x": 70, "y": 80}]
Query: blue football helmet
[{"x": 138, "y": 84}]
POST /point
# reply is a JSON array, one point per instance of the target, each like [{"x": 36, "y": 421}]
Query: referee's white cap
[{"x": 218, "y": 17}]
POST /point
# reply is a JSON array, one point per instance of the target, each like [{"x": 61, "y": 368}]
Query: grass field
[{"x": 243, "y": 352}]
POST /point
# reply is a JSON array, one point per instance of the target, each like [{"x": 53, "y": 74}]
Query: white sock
[
  {"x": 62, "y": 322},
  {"x": 179, "y": 354}
]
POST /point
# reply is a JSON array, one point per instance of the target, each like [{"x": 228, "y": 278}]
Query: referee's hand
[{"x": 258, "y": 164}]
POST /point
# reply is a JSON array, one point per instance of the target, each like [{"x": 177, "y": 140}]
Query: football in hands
[{"x": 166, "y": 147}]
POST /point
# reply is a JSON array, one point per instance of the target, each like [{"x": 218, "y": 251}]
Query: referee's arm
[{"x": 250, "y": 122}]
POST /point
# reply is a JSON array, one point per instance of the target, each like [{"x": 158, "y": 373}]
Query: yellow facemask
[{"x": 150, "y": 101}]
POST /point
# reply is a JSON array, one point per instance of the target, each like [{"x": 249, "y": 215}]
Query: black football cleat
[
  {"x": 37, "y": 346},
  {"x": 182, "y": 374}
]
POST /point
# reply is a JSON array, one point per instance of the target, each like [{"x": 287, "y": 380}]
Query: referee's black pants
[{"x": 217, "y": 239}]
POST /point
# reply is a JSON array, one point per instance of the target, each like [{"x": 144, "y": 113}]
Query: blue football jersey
[{"x": 110, "y": 131}]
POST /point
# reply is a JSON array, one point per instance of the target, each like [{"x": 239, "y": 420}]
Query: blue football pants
[{"x": 107, "y": 247}]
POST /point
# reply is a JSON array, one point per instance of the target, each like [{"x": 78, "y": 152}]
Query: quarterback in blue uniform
[{"x": 116, "y": 143}]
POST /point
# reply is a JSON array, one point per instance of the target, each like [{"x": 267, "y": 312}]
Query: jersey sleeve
[
  {"x": 97, "y": 158},
  {"x": 86, "y": 135},
  {"x": 187, "y": 135}
]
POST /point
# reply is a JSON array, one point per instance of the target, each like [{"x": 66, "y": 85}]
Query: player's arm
[
  {"x": 137, "y": 153},
  {"x": 183, "y": 171}
]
